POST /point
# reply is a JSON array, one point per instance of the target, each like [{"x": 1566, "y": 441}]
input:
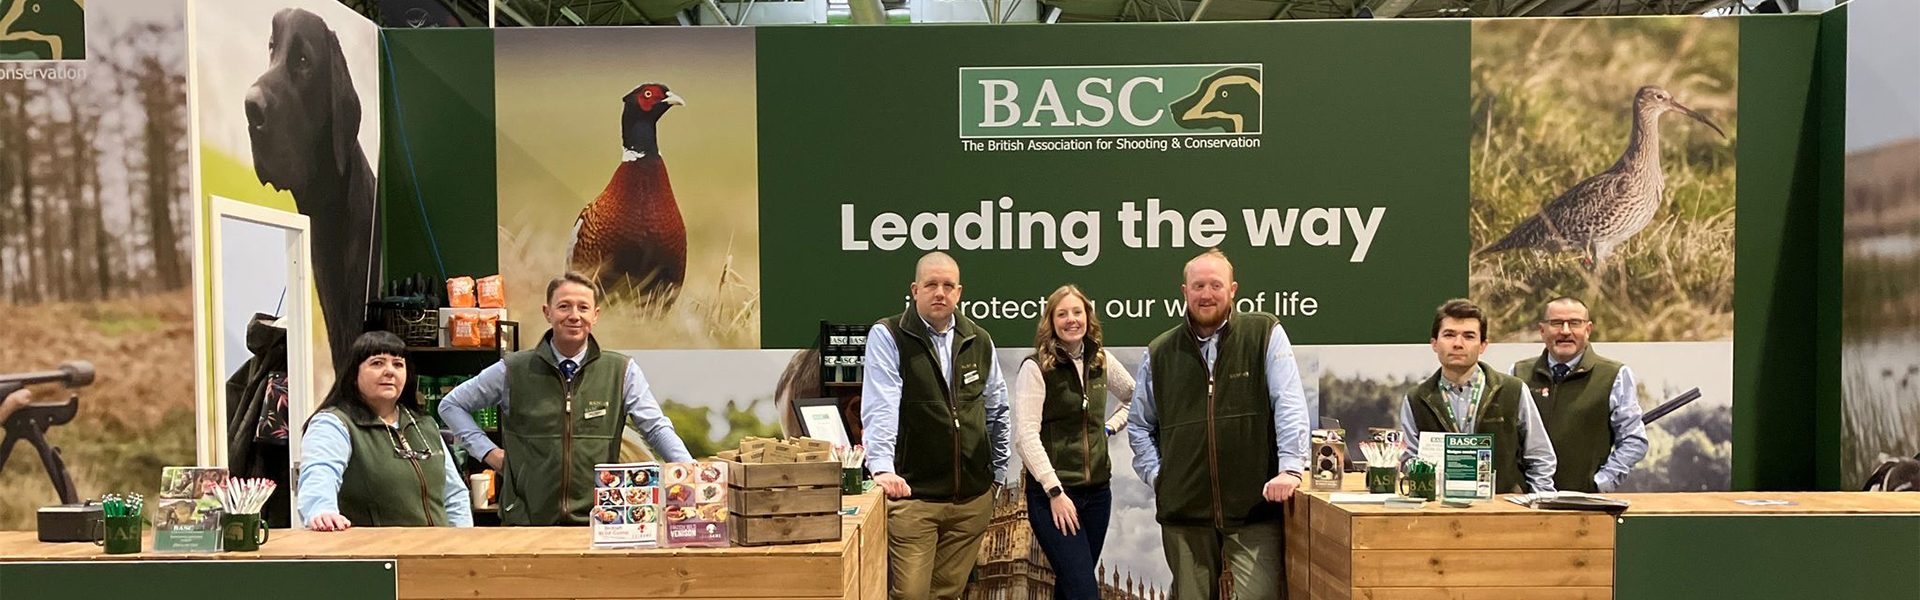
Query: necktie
[
  {"x": 568, "y": 368},
  {"x": 1560, "y": 372}
]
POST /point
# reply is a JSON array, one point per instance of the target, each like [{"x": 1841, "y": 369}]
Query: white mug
[{"x": 481, "y": 485}]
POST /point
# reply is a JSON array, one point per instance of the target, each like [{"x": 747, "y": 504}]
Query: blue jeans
[{"x": 1073, "y": 556}]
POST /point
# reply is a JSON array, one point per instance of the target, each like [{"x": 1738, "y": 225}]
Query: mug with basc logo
[
  {"x": 242, "y": 533},
  {"x": 120, "y": 535}
]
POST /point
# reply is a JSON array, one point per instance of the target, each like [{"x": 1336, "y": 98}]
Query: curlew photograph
[
  {"x": 1603, "y": 167},
  {"x": 631, "y": 157}
]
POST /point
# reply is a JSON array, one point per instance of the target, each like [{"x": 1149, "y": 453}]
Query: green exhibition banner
[
  {"x": 1109, "y": 156},
  {"x": 735, "y": 187}
]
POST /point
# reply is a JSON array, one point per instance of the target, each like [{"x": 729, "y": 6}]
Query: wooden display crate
[{"x": 783, "y": 503}]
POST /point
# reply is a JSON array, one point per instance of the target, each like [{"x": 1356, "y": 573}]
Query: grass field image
[{"x": 1603, "y": 167}]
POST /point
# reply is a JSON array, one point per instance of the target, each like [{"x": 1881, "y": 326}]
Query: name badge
[
  {"x": 595, "y": 414},
  {"x": 970, "y": 377}
]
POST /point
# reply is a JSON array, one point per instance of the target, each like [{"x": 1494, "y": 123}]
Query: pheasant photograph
[
  {"x": 631, "y": 238},
  {"x": 1603, "y": 165}
]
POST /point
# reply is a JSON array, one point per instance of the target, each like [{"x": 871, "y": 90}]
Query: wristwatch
[{"x": 1055, "y": 492}]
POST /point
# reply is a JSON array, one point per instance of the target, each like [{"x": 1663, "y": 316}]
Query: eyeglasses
[
  {"x": 403, "y": 450},
  {"x": 1565, "y": 323}
]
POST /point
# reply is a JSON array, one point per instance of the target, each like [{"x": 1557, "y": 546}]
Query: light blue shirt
[
  {"x": 1629, "y": 434},
  {"x": 489, "y": 389},
  {"x": 1537, "y": 460},
  {"x": 880, "y": 398},
  {"x": 1291, "y": 414},
  {"x": 325, "y": 451}
]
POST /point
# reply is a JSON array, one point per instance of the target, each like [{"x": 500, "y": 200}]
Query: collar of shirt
[
  {"x": 578, "y": 359},
  {"x": 1472, "y": 378},
  {"x": 1209, "y": 344},
  {"x": 1570, "y": 364},
  {"x": 936, "y": 332}
]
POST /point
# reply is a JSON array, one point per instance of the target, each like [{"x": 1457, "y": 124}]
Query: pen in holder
[
  {"x": 852, "y": 479},
  {"x": 241, "y": 529},
  {"x": 120, "y": 523},
  {"x": 1383, "y": 465}
]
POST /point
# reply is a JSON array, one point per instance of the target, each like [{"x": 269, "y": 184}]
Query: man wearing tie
[
  {"x": 563, "y": 419},
  {"x": 1588, "y": 401}
]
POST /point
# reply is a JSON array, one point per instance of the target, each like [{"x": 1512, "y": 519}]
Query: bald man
[
  {"x": 935, "y": 411},
  {"x": 1219, "y": 431}
]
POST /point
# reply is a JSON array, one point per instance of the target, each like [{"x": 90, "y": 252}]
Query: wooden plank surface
[
  {"x": 435, "y": 542},
  {"x": 1482, "y": 568},
  {"x": 1484, "y": 593},
  {"x": 621, "y": 577},
  {"x": 850, "y": 572},
  {"x": 1329, "y": 565},
  {"x": 873, "y": 548},
  {"x": 1537, "y": 530},
  {"x": 1299, "y": 529},
  {"x": 1326, "y": 586}
]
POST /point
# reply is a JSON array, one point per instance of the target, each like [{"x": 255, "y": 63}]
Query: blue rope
[{"x": 393, "y": 81}]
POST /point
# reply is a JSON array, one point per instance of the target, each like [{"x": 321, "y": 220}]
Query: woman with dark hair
[
  {"x": 1058, "y": 407},
  {"x": 370, "y": 457}
]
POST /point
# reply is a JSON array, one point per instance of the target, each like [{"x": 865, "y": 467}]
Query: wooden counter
[
  {"x": 1503, "y": 550},
  {"x": 557, "y": 562}
]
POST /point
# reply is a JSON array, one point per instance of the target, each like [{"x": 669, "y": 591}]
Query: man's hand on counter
[{"x": 895, "y": 487}]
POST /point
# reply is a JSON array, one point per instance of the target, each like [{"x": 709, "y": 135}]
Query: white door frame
[{"x": 298, "y": 318}]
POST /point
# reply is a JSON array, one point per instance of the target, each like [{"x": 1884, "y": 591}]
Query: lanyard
[{"x": 1475, "y": 386}]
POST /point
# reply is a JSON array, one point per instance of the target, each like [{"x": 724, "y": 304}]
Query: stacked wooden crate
[{"x": 783, "y": 492}]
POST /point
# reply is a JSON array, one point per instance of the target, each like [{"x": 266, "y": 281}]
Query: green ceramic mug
[
  {"x": 1382, "y": 480},
  {"x": 851, "y": 482},
  {"x": 120, "y": 535},
  {"x": 242, "y": 533},
  {"x": 1417, "y": 484}
]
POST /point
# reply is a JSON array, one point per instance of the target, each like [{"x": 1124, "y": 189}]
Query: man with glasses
[
  {"x": 569, "y": 404},
  {"x": 1589, "y": 402}
]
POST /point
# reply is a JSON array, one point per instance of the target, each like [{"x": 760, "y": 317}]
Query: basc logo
[
  {"x": 43, "y": 30},
  {"x": 1111, "y": 101}
]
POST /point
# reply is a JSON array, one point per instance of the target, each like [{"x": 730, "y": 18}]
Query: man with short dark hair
[
  {"x": 564, "y": 420},
  {"x": 1219, "y": 429},
  {"x": 934, "y": 407},
  {"x": 1468, "y": 396},
  {"x": 1589, "y": 402}
]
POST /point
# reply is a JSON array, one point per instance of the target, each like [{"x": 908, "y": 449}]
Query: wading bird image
[{"x": 1603, "y": 211}]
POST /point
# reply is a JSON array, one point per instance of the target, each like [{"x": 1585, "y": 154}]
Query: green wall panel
[
  {"x": 1767, "y": 557},
  {"x": 200, "y": 579},
  {"x": 440, "y": 115}
]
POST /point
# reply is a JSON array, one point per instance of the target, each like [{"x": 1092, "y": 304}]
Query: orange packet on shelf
[
  {"x": 491, "y": 291},
  {"x": 486, "y": 331},
  {"x": 460, "y": 292},
  {"x": 462, "y": 331}
]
